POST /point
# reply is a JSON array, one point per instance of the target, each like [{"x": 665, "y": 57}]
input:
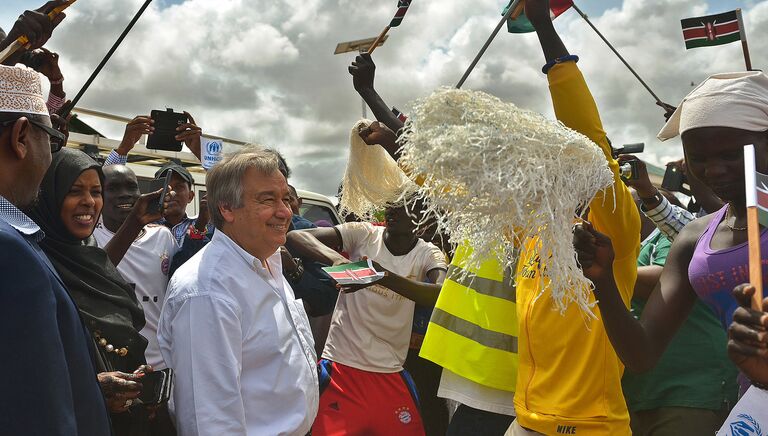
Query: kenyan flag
[
  {"x": 762, "y": 198},
  {"x": 521, "y": 24},
  {"x": 402, "y": 8},
  {"x": 711, "y": 30}
]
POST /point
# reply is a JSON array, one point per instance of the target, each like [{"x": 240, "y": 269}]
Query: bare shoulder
[{"x": 686, "y": 241}]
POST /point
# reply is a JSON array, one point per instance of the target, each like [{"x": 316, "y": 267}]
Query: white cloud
[{"x": 264, "y": 71}]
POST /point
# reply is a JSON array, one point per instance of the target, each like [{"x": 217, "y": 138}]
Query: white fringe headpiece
[
  {"x": 497, "y": 176},
  {"x": 372, "y": 181}
]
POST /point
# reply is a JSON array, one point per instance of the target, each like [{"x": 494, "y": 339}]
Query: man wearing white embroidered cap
[
  {"x": 710, "y": 256},
  {"x": 50, "y": 384}
]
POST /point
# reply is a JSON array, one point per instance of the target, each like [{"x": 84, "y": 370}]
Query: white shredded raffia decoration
[
  {"x": 372, "y": 181},
  {"x": 498, "y": 175}
]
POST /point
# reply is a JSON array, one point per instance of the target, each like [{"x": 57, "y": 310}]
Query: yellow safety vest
[{"x": 473, "y": 330}]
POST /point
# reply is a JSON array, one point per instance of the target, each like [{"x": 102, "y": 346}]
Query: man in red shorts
[{"x": 364, "y": 388}]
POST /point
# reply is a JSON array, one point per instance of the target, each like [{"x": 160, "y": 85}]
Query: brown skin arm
[
  {"x": 640, "y": 344},
  {"x": 647, "y": 280},
  {"x": 423, "y": 294},
  {"x": 132, "y": 226},
  {"x": 316, "y": 244},
  {"x": 363, "y": 71}
]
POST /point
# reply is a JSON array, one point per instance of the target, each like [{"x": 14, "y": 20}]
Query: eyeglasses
[{"x": 57, "y": 139}]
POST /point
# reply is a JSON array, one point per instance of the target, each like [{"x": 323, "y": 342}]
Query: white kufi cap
[
  {"x": 737, "y": 100},
  {"x": 21, "y": 91}
]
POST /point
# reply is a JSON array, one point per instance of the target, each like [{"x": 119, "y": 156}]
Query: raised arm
[{"x": 363, "y": 71}]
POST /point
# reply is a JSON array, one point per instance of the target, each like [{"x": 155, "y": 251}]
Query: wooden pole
[
  {"x": 744, "y": 46},
  {"x": 621, "y": 58},
  {"x": 753, "y": 228},
  {"x": 23, "y": 40},
  {"x": 104, "y": 61},
  {"x": 378, "y": 40},
  {"x": 514, "y": 8},
  {"x": 755, "y": 263}
]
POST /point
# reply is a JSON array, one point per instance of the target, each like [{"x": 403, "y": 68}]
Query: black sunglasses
[{"x": 57, "y": 138}]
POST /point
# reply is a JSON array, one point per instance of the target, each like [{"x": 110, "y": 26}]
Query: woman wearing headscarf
[{"x": 68, "y": 209}]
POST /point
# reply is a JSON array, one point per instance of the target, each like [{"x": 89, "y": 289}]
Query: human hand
[
  {"x": 35, "y": 25},
  {"x": 594, "y": 252},
  {"x": 642, "y": 184},
  {"x": 49, "y": 66},
  {"x": 120, "y": 389},
  {"x": 378, "y": 134},
  {"x": 748, "y": 338},
  {"x": 190, "y": 133},
  {"x": 363, "y": 71},
  {"x": 144, "y": 210},
  {"x": 141, "y": 125},
  {"x": 537, "y": 12},
  {"x": 204, "y": 216},
  {"x": 668, "y": 109},
  {"x": 62, "y": 123}
]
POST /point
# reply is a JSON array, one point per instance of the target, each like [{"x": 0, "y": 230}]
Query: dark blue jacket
[{"x": 48, "y": 384}]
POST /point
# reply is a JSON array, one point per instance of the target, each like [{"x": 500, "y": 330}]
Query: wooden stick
[
  {"x": 744, "y": 46},
  {"x": 755, "y": 264},
  {"x": 621, "y": 58},
  {"x": 22, "y": 41},
  {"x": 378, "y": 40},
  {"x": 104, "y": 61},
  {"x": 515, "y": 6}
]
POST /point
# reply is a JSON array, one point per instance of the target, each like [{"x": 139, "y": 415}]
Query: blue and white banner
[
  {"x": 749, "y": 417},
  {"x": 212, "y": 151}
]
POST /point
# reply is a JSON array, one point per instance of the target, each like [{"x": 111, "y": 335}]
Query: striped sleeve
[
  {"x": 115, "y": 158},
  {"x": 669, "y": 219}
]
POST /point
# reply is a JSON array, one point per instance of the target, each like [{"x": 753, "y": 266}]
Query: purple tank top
[{"x": 713, "y": 274}]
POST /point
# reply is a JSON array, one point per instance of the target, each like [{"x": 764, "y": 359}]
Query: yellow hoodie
[{"x": 569, "y": 377}]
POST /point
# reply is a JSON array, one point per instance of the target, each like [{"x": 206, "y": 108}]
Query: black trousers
[{"x": 468, "y": 421}]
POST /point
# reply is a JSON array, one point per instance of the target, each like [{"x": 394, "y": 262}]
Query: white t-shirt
[
  {"x": 146, "y": 265},
  {"x": 457, "y": 388},
  {"x": 371, "y": 328}
]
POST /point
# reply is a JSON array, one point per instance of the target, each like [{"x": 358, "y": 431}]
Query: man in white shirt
[
  {"x": 239, "y": 341},
  {"x": 147, "y": 261},
  {"x": 365, "y": 389}
]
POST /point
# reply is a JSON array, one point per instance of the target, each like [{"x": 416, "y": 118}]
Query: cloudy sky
[{"x": 264, "y": 71}]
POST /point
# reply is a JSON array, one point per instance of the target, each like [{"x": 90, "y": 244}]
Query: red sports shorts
[{"x": 357, "y": 402}]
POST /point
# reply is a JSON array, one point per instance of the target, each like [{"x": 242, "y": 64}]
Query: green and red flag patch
[
  {"x": 358, "y": 273},
  {"x": 762, "y": 198},
  {"x": 521, "y": 24},
  {"x": 402, "y": 8},
  {"x": 711, "y": 30}
]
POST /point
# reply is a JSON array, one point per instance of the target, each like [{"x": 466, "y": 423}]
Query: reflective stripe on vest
[{"x": 473, "y": 330}]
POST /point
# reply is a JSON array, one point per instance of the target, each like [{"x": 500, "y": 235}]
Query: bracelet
[
  {"x": 567, "y": 58},
  {"x": 58, "y": 81},
  {"x": 295, "y": 276}
]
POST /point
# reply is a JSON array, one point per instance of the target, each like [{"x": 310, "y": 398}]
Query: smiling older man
[{"x": 231, "y": 327}]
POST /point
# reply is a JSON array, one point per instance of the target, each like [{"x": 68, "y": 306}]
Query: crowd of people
[{"x": 103, "y": 287}]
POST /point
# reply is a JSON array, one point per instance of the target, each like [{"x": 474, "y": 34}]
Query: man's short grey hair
[{"x": 224, "y": 183}]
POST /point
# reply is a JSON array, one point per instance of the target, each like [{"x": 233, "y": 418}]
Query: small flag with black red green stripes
[
  {"x": 400, "y": 116},
  {"x": 756, "y": 186},
  {"x": 712, "y": 30},
  {"x": 402, "y": 8}
]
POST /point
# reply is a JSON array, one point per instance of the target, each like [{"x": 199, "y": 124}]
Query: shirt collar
[
  {"x": 19, "y": 221},
  {"x": 253, "y": 262}
]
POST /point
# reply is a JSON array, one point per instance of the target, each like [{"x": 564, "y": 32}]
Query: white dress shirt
[{"x": 240, "y": 344}]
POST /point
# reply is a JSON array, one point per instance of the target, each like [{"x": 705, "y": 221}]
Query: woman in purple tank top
[{"x": 709, "y": 257}]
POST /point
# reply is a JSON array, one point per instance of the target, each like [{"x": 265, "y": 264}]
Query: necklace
[{"x": 729, "y": 214}]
